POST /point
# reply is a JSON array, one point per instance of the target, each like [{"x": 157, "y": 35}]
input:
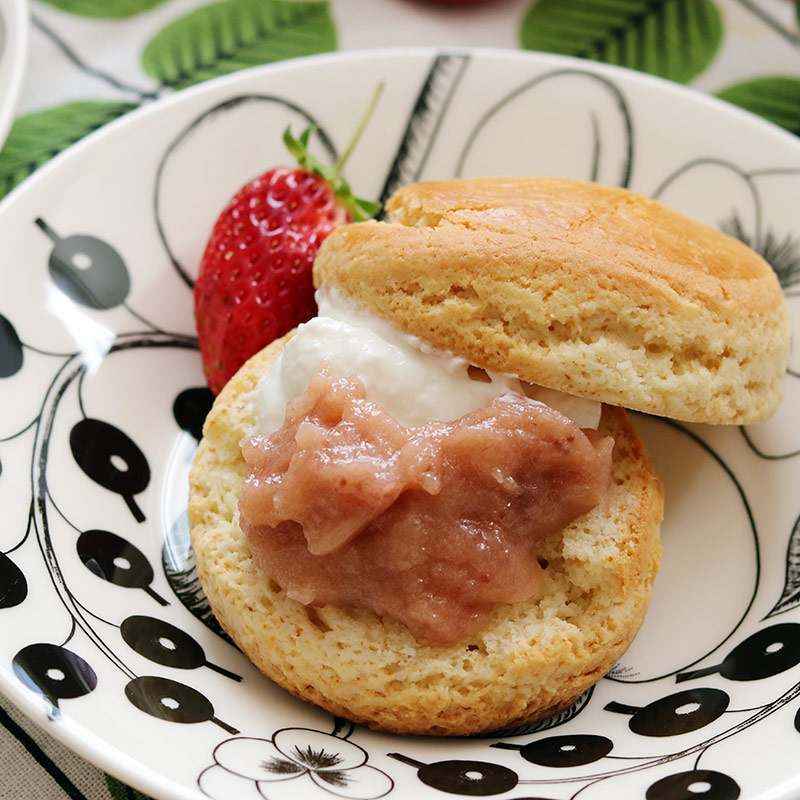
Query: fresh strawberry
[{"x": 254, "y": 282}]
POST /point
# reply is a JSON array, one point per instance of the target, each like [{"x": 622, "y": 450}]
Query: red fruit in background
[{"x": 254, "y": 283}]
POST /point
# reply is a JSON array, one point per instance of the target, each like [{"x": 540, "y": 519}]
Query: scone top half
[{"x": 591, "y": 290}]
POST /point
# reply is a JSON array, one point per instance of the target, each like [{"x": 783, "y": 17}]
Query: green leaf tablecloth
[{"x": 92, "y": 61}]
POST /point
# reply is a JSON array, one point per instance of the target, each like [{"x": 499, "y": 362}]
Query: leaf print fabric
[
  {"x": 104, "y": 9},
  {"x": 777, "y": 99},
  {"x": 228, "y": 36},
  {"x": 35, "y": 138},
  {"x": 675, "y": 39}
]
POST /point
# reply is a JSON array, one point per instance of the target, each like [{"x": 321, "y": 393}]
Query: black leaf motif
[
  {"x": 54, "y": 672},
  {"x": 87, "y": 269},
  {"x": 117, "y": 561},
  {"x": 99, "y": 449},
  {"x": 431, "y": 105},
  {"x": 714, "y": 785},
  {"x": 13, "y": 586},
  {"x": 10, "y": 349},
  {"x": 190, "y": 409},
  {"x": 169, "y": 700},
  {"x": 790, "y": 597}
]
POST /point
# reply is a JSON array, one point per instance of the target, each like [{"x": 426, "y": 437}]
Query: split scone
[
  {"x": 346, "y": 593},
  {"x": 594, "y": 290}
]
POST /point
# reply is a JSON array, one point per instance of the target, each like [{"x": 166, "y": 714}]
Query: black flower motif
[{"x": 332, "y": 764}]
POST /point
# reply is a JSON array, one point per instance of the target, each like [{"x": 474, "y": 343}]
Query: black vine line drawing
[
  {"x": 623, "y": 170},
  {"x": 140, "y": 94}
]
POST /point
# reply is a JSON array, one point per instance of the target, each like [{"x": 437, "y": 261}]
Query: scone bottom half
[
  {"x": 588, "y": 289},
  {"x": 533, "y": 659}
]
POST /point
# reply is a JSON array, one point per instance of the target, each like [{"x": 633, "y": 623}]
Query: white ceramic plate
[
  {"x": 13, "y": 55},
  {"x": 106, "y": 638}
]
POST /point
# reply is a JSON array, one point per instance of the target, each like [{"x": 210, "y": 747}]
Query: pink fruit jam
[{"x": 431, "y": 525}]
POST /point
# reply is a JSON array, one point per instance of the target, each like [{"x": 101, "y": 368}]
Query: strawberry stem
[
  {"x": 362, "y": 123},
  {"x": 359, "y": 208}
]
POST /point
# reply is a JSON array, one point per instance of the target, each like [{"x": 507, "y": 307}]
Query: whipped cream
[{"x": 412, "y": 382}]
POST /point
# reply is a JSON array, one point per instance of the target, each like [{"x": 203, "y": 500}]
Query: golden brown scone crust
[
  {"x": 592, "y": 290},
  {"x": 532, "y": 660}
]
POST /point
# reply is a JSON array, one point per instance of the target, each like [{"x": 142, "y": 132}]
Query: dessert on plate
[{"x": 426, "y": 509}]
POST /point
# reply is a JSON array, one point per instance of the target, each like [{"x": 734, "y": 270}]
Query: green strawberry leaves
[
  {"x": 675, "y": 39},
  {"x": 223, "y": 37},
  {"x": 35, "y": 138},
  {"x": 774, "y": 98},
  {"x": 104, "y": 9},
  {"x": 360, "y": 209}
]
